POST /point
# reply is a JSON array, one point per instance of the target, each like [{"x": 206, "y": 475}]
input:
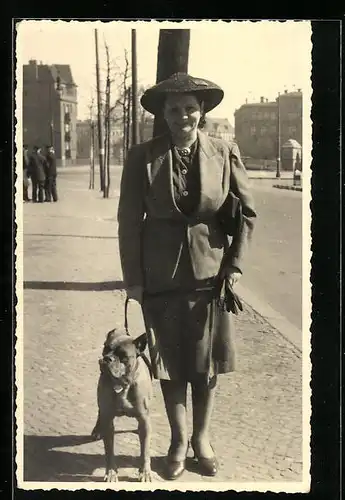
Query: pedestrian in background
[
  {"x": 37, "y": 167},
  {"x": 51, "y": 174},
  {"x": 177, "y": 241},
  {"x": 26, "y": 165}
]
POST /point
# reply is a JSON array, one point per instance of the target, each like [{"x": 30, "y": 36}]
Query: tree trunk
[
  {"x": 128, "y": 125},
  {"x": 99, "y": 118},
  {"x": 173, "y": 51}
]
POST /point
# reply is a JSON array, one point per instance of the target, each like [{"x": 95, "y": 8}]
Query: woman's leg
[
  {"x": 174, "y": 393},
  {"x": 202, "y": 400}
]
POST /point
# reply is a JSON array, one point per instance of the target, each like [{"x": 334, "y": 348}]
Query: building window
[
  {"x": 263, "y": 130},
  {"x": 273, "y": 116},
  {"x": 67, "y": 127},
  {"x": 259, "y": 116},
  {"x": 67, "y": 114},
  {"x": 292, "y": 130},
  {"x": 253, "y": 130},
  {"x": 293, "y": 116},
  {"x": 266, "y": 115},
  {"x": 273, "y": 129}
]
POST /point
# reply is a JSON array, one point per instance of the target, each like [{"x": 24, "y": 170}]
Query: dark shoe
[
  {"x": 174, "y": 468},
  {"x": 206, "y": 466}
]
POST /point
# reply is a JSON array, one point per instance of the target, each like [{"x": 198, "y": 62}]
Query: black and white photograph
[{"x": 163, "y": 255}]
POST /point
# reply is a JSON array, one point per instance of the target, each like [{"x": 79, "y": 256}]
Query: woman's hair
[{"x": 202, "y": 121}]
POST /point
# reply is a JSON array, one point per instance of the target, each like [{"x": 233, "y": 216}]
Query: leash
[
  {"x": 143, "y": 356},
  {"x": 126, "y": 316}
]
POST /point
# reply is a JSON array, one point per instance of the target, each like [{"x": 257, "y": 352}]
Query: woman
[{"x": 174, "y": 246}]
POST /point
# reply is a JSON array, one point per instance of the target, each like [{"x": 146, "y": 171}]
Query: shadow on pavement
[
  {"x": 42, "y": 462},
  {"x": 83, "y": 236},
  {"x": 78, "y": 286}
]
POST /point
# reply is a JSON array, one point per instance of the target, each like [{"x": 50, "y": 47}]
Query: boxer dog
[{"x": 124, "y": 389}]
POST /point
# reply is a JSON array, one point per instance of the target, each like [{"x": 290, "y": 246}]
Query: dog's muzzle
[{"x": 116, "y": 371}]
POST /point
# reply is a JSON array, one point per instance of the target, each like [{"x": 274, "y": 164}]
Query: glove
[{"x": 231, "y": 299}]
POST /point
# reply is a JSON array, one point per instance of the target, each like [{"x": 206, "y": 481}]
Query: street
[
  {"x": 274, "y": 270},
  {"x": 73, "y": 295}
]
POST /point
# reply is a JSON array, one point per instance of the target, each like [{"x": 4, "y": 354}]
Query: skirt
[{"x": 188, "y": 336}]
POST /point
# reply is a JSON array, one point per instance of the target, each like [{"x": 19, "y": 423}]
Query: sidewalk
[
  {"x": 253, "y": 174},
  {"x": 73, "y": 296}
]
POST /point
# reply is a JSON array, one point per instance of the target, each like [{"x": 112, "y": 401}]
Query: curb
[
  {"x": 291, "y": 188},
  {"x": 286, "y": 329}
]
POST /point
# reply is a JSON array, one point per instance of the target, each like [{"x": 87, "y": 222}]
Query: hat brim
[
  {"x": 153, "y": 102},
  {"x": 182, "y": 83}
]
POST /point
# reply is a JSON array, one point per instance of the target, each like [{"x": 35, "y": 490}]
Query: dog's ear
[
  {"x": 106, "y": 345},
  {"x": 141, "y": 343}
]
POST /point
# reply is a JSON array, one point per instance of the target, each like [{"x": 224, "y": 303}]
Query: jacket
[
  {"x": 51, "y": 165},
  {"x": 37, "y": 167},
  {"x": 153, "y": 231}
]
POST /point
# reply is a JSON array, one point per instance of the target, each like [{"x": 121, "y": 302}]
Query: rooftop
[
  {"x": 62, "y": 71},
  {"x": 212, "y": 122}
]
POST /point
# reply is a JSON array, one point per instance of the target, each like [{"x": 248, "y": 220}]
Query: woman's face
[{"x": 182, "y": 112}]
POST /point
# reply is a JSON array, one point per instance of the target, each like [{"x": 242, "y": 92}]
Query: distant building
[
  {"x": 84, "y": 142},
  {"x": 256, "y": 125},
  {"x": 83, "y": 128},
  {"x": 219, "y": 127},
  {"x": 215, "y": 127},
  {"x": 50, "y": 108}
]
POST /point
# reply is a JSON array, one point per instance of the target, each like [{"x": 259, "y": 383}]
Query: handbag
[{"x": 230, "y": 215}]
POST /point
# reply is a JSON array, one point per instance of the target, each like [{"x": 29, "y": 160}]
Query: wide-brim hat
[{"x": 210, "y": 93}]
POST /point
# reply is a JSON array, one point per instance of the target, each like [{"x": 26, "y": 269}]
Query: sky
[{"x": 247, "y": 59}]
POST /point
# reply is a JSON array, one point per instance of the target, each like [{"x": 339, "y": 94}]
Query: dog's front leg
[
  {"x": 144, "y": 430},
  {"x": 95, "y": 434},
  {"x": 107, "y": 432}
]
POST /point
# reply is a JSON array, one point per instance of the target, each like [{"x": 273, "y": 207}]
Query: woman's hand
[
  {"x": 135, "y": 293},
  {"x": 232, "y": 275}
]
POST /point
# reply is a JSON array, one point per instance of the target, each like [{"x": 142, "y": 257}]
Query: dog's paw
[
  {"x": 111, "y": 476},
  {"x": 145, "y": 475}
]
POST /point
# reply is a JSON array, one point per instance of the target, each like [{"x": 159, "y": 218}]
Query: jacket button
[
  {"x": 184, "y": 171},
  {"x": 185, "y": 193}
]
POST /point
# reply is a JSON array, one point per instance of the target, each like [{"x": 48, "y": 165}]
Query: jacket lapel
[
  {"x": 211, "y": 164},
  {"x": 159, "y": 170}
]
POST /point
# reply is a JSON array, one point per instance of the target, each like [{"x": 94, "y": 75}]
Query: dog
[{"x": 124, "y": 389}]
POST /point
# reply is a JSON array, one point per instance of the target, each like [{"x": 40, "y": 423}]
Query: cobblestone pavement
[{"x": 72, "y": 296}]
